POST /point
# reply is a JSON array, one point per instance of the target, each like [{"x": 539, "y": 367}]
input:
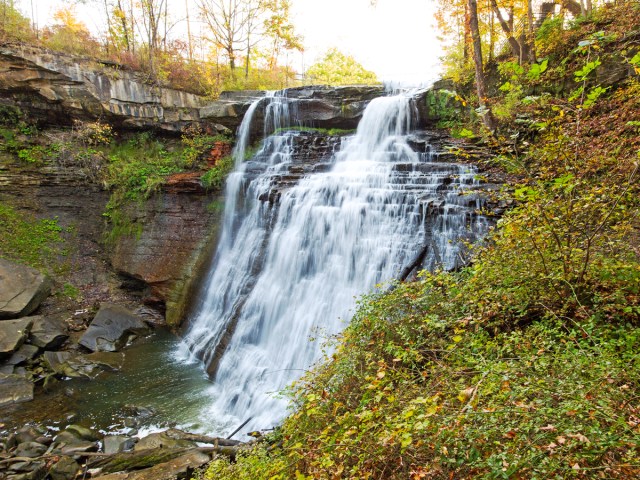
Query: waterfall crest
[{"x": 286, "y": 269}]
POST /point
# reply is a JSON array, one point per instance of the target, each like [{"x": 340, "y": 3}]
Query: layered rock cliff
[{"x": 56, "y": 88}]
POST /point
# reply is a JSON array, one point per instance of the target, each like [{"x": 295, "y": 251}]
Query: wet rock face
[
  {"x": 22, "y": 289},
  {"x": 177, "y": 229}
]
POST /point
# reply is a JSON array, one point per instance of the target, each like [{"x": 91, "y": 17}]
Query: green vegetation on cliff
[
  {"x": 525, "y": 364},
  {"x": 31, "y": 241}
]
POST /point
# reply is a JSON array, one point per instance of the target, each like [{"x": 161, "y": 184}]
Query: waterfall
[{"x": 293, "y": 257}]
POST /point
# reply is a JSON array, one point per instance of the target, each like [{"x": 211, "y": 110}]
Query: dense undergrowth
[{"x": 525, "y": 364}]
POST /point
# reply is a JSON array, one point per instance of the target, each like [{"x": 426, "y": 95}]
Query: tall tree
[
  {"x": 516, "y": 48},
  {"x": 481, "y": 84},
  {"x": 226, "y": 20},
  {"x": 152, "y": 14},
  {"x": 280, "y": 31}
]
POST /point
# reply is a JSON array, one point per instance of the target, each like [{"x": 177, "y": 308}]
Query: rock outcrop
[
  {"x": 22, "y": 289},
  {"x": 57, "y": 88}
]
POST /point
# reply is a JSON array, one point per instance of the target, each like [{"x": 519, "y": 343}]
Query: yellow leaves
[
  {"x": 418, "y": 473},
  {"x": 466, "y": 394}
]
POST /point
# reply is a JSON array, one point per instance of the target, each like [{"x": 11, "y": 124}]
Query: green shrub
[
  {"x": 215, "y": 177},
  {"x": 34, "y": 242}
]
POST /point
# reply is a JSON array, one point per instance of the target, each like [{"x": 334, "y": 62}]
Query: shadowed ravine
[{"x": 294, "y": 255}]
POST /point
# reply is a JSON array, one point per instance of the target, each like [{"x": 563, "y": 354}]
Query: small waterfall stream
[{"x": 291, "y": 264}]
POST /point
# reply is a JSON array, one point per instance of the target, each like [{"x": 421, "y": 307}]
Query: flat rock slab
[
  {"x": 83, "y": 366},
  {"x": 112, "y": 328},
  {"x": 13, "y": 333},
  {"x": 22, "y": 289},
  {"x": 23, "y": 354},
  {"x": 15, "y": 389},
  {"x": 180, "y": 467},
  {"x": 47, "y": 333}
]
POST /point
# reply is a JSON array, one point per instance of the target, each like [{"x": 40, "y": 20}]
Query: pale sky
[{"x": 396, "y": 39}]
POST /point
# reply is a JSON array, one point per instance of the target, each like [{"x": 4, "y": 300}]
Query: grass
[{"x": 324, "y": 131}]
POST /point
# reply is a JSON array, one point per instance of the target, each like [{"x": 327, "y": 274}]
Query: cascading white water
[{"x": 282, "y": 272}]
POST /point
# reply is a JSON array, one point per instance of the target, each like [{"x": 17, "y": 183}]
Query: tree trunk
[
  {"x": 481, "y": 86},
  {"x": 186, "y": 5},
  {"x": 467, "y": 35},
  {"x": 246, "y": 62},
  {"x": 513, "y": 42},
  {"x": 531, "y": 44},
  {"x": 232, "y": 60}
]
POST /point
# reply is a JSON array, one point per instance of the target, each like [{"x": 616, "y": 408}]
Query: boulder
[
  {"x": 25, "y": 434},
  {"x": 15, "y": 389},
  {"x": 163, "y": 440},
  {"x": 117, "y": 443},
  {"x": 27, "y": 470},
  {"x": 70, "y": 443},
  {"x": 23, "y": 354},
  {"x": 22, "y": 289},
  {"x": 30, "y": 450},
  {"x": 47, "y": 333},
  {"x": 111, "y": 329},
  {"x": 13, "y": 333},
  {"x": 64, "y": 469},
  {"x": 83, "y": 433}
]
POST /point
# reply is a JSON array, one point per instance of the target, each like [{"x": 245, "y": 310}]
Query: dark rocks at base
[
  {"x": 15, "y": 389},
  {"x": 30, "y": 450},
  {"x": 83, "y": 433},
  {"x": 181, "y": 467},
  {"x": 74, "y": 441},
  {"x": 47, "y": 333},
  {"x": 163, "y": 440},
  {"x": 22, "y": 289},
  {"x": 89, "y": 366},
  {"x": 66, "y": 468},
  {"x": 111, "y": 329},
  {"x": 117, "y": 444},
  {"x": 172, "y": 454},
  {"x": 13, "y": 333},
  {"x": 25, "y": 353}
]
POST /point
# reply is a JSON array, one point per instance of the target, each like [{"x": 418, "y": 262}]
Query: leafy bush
[
  {"x": 215, "y": 177},
  {"x": 196, "y": 144}
]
